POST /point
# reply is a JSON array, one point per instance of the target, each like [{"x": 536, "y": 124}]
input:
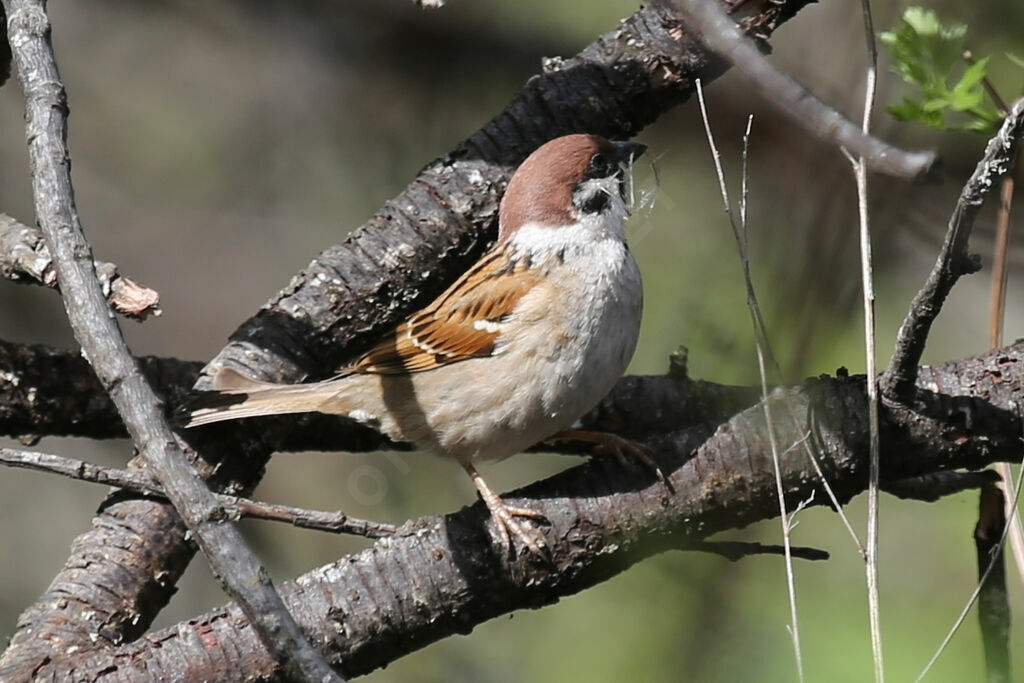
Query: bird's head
[{"x": 565, "y": 181}]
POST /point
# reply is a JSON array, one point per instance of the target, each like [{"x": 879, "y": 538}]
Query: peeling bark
[{"x": 25, "y": 258}]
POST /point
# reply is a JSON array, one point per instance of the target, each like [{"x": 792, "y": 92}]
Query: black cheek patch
[{"x": 595, "y": 203}]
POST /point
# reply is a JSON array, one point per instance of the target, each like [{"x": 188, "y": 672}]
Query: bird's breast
[{"x": 556, "y": 356}]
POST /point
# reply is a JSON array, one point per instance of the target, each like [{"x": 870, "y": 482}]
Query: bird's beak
[{"x": 627, "y": 152}]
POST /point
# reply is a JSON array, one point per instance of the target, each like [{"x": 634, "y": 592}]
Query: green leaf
[
  {"x": 966, "y": 101},
  {"x": 911, "y": 110},
  {"x": 973, "y": 76},
  {"x": 907, "y": 110},
  {"x": 937, "y": 103},
  {"x": 977, "y": 126},
  {"x": 924, "y": 51},
  {"x": 923, "y": 21},
  {"x": 1015, "y": 59},
  {"x": 927, "y": 54}
]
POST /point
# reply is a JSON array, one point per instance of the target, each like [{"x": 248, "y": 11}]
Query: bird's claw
[
  {"x": 504, "y": 517},
  {"x": 508, "y": 527}
]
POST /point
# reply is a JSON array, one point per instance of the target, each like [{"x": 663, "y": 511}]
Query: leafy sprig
[{"x": 928, "y": 54}]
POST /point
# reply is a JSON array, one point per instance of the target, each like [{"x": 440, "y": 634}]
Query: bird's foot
[
  {"x": 627, "y": 452},
  {"x": 505, "y": 518}
]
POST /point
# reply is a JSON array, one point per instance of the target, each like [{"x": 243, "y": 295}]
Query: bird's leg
[
  {"x": 625, "y": 451},
  {"x": 505, "y": 516}
]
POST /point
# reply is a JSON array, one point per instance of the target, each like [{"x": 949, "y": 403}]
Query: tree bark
[{"x": 442, "y": 575}]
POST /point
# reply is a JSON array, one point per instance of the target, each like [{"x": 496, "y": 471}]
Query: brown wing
[{"x": 464, "y": 322}]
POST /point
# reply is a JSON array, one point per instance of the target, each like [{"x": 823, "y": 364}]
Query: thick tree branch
[
  {"x": 897, "y": 382},
  {"x": 409, "y": 251},
  {"x": 49, "y": 392},
  {"x": 52, "y": 392},
  {"x": 236, "y": 567},
  {"x": 25, "y": 258},
  {"x": 440, "y": 576}
]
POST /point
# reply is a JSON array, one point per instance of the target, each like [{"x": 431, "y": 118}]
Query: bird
[{"x": 515, "y": 351}]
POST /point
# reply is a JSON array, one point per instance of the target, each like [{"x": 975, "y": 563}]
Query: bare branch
[
  {"x": 737, "y": 550},
  {"x": 237, "y": 568},
  {"x": 859, "y": 166},
  {"x": 602, "y": 520},
  {"x": 997, "y": 313},
  {"x": 931, "y": 487},
  {"x": 24, "y": 257},
  {"x": 897, "y": 382},
  {"x": 986, "y": 567},
  {"x": 234, "y": 506},
  {"x": 993, "y": 600},
  {"x": 331, "y": 522},
  {"x": 763, "y": 348},
  {"x": 721, "y": 34},
  {"x": 49, "y": 392},
  {"x": 5, "y": 52}
]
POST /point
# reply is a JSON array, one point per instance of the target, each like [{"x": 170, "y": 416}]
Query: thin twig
[
  {"x": 238, "y": 569},
  {"x": 977, "y": 589},
  {"x": 993, "y": 601},
  {"x": 968, "y": 57},
  {"x": 833, "y": 499},
  {"x": 997, "y": 307},
  {"x": 235, "y": 507},
  {"x": 997, "y": 298},
  {"x": 722, "y": 36},
  {"x": 761, "y": 333},
  {"x": 5, "y": 51},
  {"x": 737, "y": 550},
  {"x": 760, "y": 341},
  {"x": 860, "y": 172},
  {"x": 953, "y": 261},
  {"x": 25, "y": 258},
  {"x": 931, "y": 487},
  {"x": 997, "y": 313}
]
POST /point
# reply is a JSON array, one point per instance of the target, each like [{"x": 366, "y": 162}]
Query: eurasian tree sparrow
[{"x": 516, "y": 350}]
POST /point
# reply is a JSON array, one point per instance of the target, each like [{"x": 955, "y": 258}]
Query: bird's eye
[{"x": 600, "y": 166}]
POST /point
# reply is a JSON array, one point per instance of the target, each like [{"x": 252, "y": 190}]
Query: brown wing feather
[{"x": 454, "y": 326}]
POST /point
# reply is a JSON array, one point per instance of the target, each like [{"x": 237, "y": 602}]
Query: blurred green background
[{"x": 219, "y": 146}]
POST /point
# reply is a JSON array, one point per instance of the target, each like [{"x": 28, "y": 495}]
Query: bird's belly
[
  {"x": 561, "y": 352},
  {"x": 489, "y": 409},
  {"x": 499, "y": 413}
]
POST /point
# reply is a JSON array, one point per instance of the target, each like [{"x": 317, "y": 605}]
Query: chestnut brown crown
[{"x": 541, "y": 190}]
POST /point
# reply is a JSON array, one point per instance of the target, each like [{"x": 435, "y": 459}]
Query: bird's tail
[{"x": 236, "y": 396}]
